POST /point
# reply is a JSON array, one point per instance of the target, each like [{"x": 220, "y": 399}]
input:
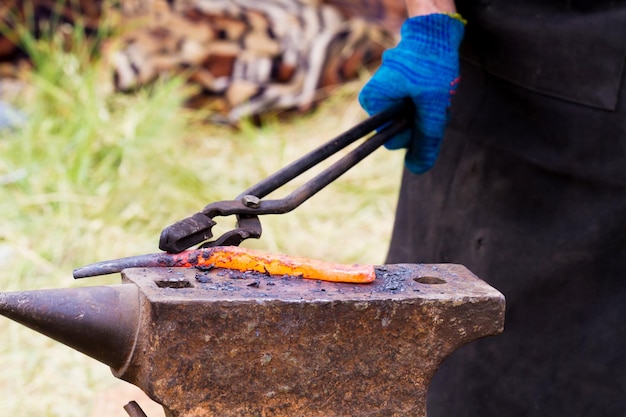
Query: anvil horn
[{"x": 101, "y": 322}]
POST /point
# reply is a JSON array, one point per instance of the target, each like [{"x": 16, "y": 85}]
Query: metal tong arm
[{"x": 248, "y": 205}]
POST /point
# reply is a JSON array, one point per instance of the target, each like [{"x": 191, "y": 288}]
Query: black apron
[{"x": 529, "y": 193}]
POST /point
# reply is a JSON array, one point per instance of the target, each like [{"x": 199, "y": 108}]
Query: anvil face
[{"x": 220, "y": 343}]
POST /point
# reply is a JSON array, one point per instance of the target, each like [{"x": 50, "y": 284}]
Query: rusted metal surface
[
  {"x": 236, "y": 345},
  {"x": 226, "y": 343}
]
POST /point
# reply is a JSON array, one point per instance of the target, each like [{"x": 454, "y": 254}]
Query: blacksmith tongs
[{"x": 249, "y": 204}]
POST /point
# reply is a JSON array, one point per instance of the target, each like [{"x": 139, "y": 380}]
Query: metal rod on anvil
[{"x": 236, "y": 258}]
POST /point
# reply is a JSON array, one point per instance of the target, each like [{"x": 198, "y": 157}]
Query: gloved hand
[{"x": 424, "y": 67}]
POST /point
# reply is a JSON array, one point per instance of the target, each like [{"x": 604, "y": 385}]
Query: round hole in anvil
[{"x": 429, "y": 280}]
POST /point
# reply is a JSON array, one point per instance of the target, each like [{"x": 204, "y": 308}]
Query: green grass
[{"x": 95, "y": 175}]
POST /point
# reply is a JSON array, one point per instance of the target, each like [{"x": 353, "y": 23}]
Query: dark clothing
[
  {"x": 529, "y": 193},
  {"x": 570, "y": 49}
]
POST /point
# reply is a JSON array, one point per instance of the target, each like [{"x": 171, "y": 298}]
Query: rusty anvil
[{"x": 230, "y": 343}]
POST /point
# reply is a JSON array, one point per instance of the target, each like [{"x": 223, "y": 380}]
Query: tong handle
[
  {"x": 306, "y": 162},
  {"x": 330, "y": 174}
]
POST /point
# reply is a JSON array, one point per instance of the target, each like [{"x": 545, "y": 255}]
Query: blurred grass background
[{"x": 94, "y": 175}]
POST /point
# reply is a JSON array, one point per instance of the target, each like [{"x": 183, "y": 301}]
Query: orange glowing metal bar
[
  {"x": 234, "y": 257},
  {"x": 240, "y": 259}
]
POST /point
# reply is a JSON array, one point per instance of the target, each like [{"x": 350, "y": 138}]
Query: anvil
[{"x": 229, "y": 343}]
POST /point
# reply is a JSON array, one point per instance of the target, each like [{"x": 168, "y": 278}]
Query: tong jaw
[
  {"x": 198, "y": 228},
  {"x": 248, "y": 227},
  {"x": 186, "y": 233}
]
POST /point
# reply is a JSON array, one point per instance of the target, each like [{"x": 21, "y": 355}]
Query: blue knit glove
[{"x": 424, "y": 67}]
